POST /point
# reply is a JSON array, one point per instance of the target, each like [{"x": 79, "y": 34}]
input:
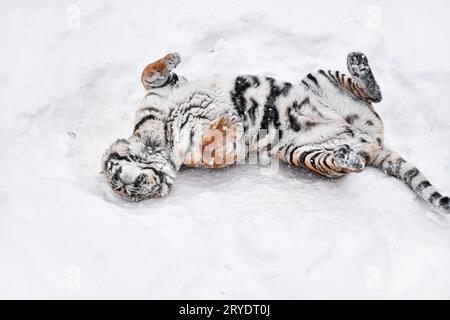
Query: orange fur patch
[
  {"x": 157, "y": 66},
  {"x": 218, "y": 144},
  {"x": 217, "y": 149}
]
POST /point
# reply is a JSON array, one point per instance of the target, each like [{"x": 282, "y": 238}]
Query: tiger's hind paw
[
  {"x": 358, "y": 66},
  {"x": 348, "y": 159}
]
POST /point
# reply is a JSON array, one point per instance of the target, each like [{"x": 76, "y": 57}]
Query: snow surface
[{"x": 67, "y": 93}]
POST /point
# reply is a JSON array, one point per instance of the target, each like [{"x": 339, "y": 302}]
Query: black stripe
[
  {"x": 337, "y": 73},
  {"x": 185, "y": 121},
  {"x": 351, "y": 118},
  {"x": 349, "y": 131},
  {"x": 400, "y": 162},
  {"x": 298, "y": 106},
  {"x": 291, "y": 154},
  {"x": 444, "y": 202},
  {"x": 287, "y": 86},
  {"x": 325, "y": 164},
  {"x": 312, "y": 78},
  {"x": 271, "y": 115},
  {"x": 125, "y": 141},
  {"x": 315, "y": 165},
  {"x": 284, "y": 149},
  {"x": 332, "y": 76},
  {"x": 422, "y": 186},
  {"x": 294, "y": 124},
  {"x": 113, "y": 156},
  {"x": 304, "y": 101},
  {"x": 377, "y": 115},
  {"x": 171, "y": 80},
  {"x": 151, "y": 142},
  {"x": 349, "y": 82},
  {"x": 116, "y": 175},
  {"x": 384, "y": 159},
  {"x": 160, "y": 176},
  {"x": 341, "y": 77},
  {"x": 434, "y": 196},
  {"x": 313, "y": 159},
  {"x": 152, "y": 93},
  {"x": 326, "y": 76},
  {"x": 139, "y": 179},
  {"x": 241, "y": 85},
  {"x": 143, "y": 120},
  {"x": 256, "y": 81},
  {"x": 393, "y": 168},
  {"x": 116, "y": 156},
  {"x": 410, "y": 175},
  {"x": 252, "y": 110},
  {"x": 365, "y": 155},
  {"x": 379, "y": 141},
  {"x": 174, "y": 79},
  {"x": 151, "y": 109},
  {"x": 303, "y": 156}
]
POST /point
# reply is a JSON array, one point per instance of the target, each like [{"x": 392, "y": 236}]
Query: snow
[{"x": 241, "y": 232}]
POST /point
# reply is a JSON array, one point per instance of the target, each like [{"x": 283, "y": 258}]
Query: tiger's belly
[
  {"x": 216, "y": 147},
  {"x": 206, "y": 131}
]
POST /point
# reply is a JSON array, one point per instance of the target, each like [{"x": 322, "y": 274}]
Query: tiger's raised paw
[
  {"x": 358, "y": 66},
  {"x": 348, "y": 159},
  {"x": 156, "y": 74},
  {"x": 172, "y": 61}
]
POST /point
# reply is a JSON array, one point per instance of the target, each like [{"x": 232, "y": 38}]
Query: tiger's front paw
[
  {"x": 157, "y": 74},
  {"x": 348, "y": 159},
  {"x": 172, "y": 60}
]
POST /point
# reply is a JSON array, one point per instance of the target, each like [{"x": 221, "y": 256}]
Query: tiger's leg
[
  {"x": 352, "y": 100},
  {"x": 159, "y": 73},
  {"x": 361, "y": 83},
  {"x": 323, "y": 159}
]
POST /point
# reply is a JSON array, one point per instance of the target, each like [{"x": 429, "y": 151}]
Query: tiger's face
[{"x": 138, "y": 169}]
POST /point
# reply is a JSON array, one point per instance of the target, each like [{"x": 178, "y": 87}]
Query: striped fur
[
  {"x": 326, "y": 124},
  {"x": 394, "y": 165}
]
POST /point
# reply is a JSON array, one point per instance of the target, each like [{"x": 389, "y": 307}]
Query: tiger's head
[{"x": 138, "y": 168}]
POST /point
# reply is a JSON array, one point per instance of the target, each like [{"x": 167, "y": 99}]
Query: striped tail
[{"x": 394, "y": 165}]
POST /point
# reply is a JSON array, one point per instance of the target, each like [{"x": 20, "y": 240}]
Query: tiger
[{"x": 325, "y": 124}]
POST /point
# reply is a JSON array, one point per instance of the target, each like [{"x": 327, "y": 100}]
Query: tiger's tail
[{"x": 394, "y": 165}]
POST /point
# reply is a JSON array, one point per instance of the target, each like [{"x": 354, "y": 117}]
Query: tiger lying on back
[{"x": 326, "y": 124}]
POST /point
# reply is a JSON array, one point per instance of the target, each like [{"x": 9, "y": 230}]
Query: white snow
[{"x": 67, "y": 93}]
